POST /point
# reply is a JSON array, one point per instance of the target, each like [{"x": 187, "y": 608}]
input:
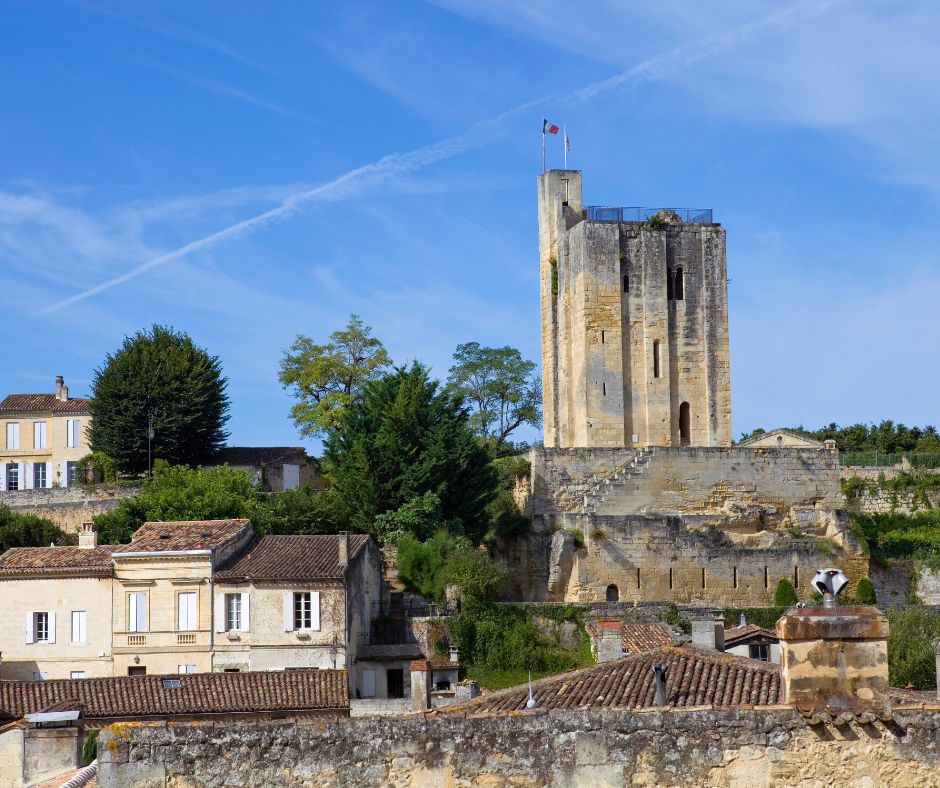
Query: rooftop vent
[{"x": 164, "y": 536}]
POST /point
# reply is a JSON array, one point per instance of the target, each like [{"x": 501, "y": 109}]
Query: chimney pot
[
  {"x": 708, "y": 631},
  {"x": 343, "y": 554},
  {"x": 61, "y": 390},
  {"x": 87, "y": 537}
]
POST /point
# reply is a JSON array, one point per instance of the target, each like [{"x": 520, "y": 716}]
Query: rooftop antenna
[{"x": 530, "y": 703}]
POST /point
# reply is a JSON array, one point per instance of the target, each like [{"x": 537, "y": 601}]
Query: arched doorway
[
  {"x": 613, "y": 593},
  {"x": 685, "y": 429}
]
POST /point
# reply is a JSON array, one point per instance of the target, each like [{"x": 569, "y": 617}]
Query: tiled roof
[
  {"x": 311, "y": 557},
  {"x": 54, "y": 560},
  {"x": 695, "y": 677},
  {"x": 637, "y": 638},
  {"x": 184, "y": 535},
  {"x": 259, "y": 455},
  {"x": 736, "y": 634},
  {"x": 198, "y": 693},
  {"x": 31, "y": 403}
]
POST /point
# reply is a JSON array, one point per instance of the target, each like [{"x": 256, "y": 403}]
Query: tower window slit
[
  {"x": 638, "y": 577},
  {"x": 679, "y": 287},
  {"x": 734, "y": 576},
  {"x": 670, "y": 578},
  {"x": 703, "y": 577},
  {"x": 656, "y": 358},
  {"x": 602, "y": 337},
  {"x": 604, "y": 389},
  {"x": 669, "y": 289},
  {"x": 766, "y": 578},
  {"x": 626, "y": 283},
  {"x": 796, "y": 577}
]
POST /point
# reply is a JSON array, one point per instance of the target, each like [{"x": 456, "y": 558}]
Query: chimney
[
  {"x": 708, "y": 631},
  {"x": 833, "y": 658},
  {"x": 742, "y": 620},
  {"x": 343, "y": 556},
  {"x": 659, "y": 676},
  {"x": 420, "y": 685},
  {"x": 609, "y": 637},
  {"x": 87, "y": 537},
  {"x": 61, "y": 390}
]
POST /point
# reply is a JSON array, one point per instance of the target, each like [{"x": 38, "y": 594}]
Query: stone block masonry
[
  {"x": 67, "y": 507},
  {"x": 752, "y": 747}
]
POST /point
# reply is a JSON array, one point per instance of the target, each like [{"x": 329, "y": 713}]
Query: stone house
[
  {"x": 186, "y": 597},
  {"x": 274, "y": 468},
  {"x": 784, "y": 439},
  {"x": 753, "y": 641},
  {"x": 43, "y": 438}
]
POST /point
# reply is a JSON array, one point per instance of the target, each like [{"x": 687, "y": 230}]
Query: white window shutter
[
  {"x": 29, "y": 628},
  {"x": 22, "y": 479},
  {"x": 132, "y": 613},
  {"x": 182, "y": 622},
  {"x": 3, "y": 476},
  {"x": 245, "y": 623},
  {"x": 27, "y": 473},
  {"x": 220, "y": 613},
  {"x": 52, "y": 626},
  {"x": 288, "y": 611},
  {"x": 63, "y": 474},
  {"x": 142, "y": 613},
  {"x": 315, "y": 609}
]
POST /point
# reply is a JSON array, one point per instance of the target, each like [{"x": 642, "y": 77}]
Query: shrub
[
  {"x": 785, "y": 595},
  {"x": 476, "y": 575},
  {"x": 422, "y": 565},
  {"x": 577, "y": 537},
  {"x": 27, "y": 530},
  {"x": 90, "y": 747},
  {"x": 865, "y": 592},
  {"x": 912, "y": 634},
  {"x": 96, "y": 464}
]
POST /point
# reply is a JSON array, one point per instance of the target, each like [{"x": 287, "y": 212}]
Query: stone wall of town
[
  {"x": 67, "y": 507},
  {"x": 557, "y": 748},
  {"x": 875, "y": 501}
]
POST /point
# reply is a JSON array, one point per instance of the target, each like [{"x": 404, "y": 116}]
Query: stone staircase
[{"x": 602, "y": 488}]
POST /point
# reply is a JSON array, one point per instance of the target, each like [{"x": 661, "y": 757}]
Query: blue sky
[{"x": 249, "y": 171}]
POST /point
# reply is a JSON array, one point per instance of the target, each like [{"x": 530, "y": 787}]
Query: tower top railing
[{"x": 606, "y": 213}]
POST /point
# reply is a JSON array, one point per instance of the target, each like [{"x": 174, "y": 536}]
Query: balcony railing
[
  {"x": 605, "y": 213},
  {"x": 186, "y": 639},
  {"x": 136, "y": 640}
]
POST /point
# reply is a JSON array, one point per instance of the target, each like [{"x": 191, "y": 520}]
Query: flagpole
[
  {"x": 565, "y": 144},
  {"x": 543, "y": 146}
]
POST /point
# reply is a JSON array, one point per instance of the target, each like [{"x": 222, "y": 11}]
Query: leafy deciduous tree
[
  {"x": 503, "y": 387},
  {"x": 163, "y": 374},
  {"x": 27, "y": 530},
  {"x": 327, "y": 379}
]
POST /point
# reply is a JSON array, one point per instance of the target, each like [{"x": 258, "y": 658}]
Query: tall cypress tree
[
  {"x": 160, "y": 374},
  {"x": 406, "y": 439}
]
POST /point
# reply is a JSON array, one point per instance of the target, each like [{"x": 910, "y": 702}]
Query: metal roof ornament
[{"x": 830, "y": 583}]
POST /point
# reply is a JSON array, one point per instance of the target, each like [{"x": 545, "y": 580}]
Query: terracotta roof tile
[
  {"x": 736, "y": 634},
  {"x": 54, "y": 560},
  {"x": 309, "y": 557},
  {"x": 30, "y": 403},
  {"x": 637, "y": 638},
  {"x": 695, "y": 677},
  {"x": 198, "y": 693},
  {"x": 184, "y": 535}
]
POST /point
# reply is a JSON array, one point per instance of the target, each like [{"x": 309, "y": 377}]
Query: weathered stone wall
[
  {"x": 569, "y": 748},
  {"x": 905, "y": 582},
  {"x": 67, "y": 507},
  {"x": 891, "y": 502}
]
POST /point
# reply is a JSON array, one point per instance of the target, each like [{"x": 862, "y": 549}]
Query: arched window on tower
[
  {"x": 685, "y": 427},
  {"x": 669, "y": 290},
  {"x": 613, "y": 593},
  {"x": 679, "y": 287},
  {"x": 626, "y": 283}
]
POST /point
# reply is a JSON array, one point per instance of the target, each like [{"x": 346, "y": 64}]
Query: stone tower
[{"x": 634, "y": 323}]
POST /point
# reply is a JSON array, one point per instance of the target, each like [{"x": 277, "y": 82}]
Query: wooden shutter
[
  {"x": 142, "y": 613},
  {"x": 22, "y": 480},
  {"x": 288, "y": 611},
  {"x": 3, "y": 476},
  {"x": 132, "y": 613},
  {"x": 52, "y": 626},
  {"x": 63, "y": 474},
  {"x": 245, "y": 627},
  {"x": 315, "y": 610},
  {"x": 29, "y": 628},
  {"x": 27, "y": 480},
  {"x": 220, "y": 622}
]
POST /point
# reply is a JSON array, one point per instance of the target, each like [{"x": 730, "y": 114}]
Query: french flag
[{"x": 548, "y": 127}]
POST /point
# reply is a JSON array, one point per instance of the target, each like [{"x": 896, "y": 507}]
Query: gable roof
[
  {"x": 88, "y": 562},
  {"x": 259, "y": 455},
  {"x": 694, "y": 677},
  {"x": 198, "y": 693},
  {"x": 184, "y": 535},
  {"x": 308, "y": 557},
  {"x": 635, "y": 638},
  {"x": 735, "y": 635},
  {"x": 804, "y": 440},
  {"x": 31, "y": 403}
]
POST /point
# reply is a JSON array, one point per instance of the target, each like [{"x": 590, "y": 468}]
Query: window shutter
[
  {"x": 132, "y": 612},
  {"x": 288, "y": 611},
  {"x": 182, "y": 614},
  {"x": 142, "y": 613},
  {"x": 315, "y": 610},
  {"x": 220, "y": 613},
  {"x": 3, "y": 476},
  {"x": 245, "y": 623},
  {"x": 52, "y": 626},
  {"x": 22, "y": 479},
  {"x": 26, "y": 469},
  {"x": 29, "y": 628},
  {"x": 63, "y": 474}
]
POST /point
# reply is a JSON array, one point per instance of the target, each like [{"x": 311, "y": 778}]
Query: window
[
  {"x": 71, "y": 433},
  {"x": 670, "y": 578},
  {"x": 602, "y": 337},
  {"x": 77, "y": 674},
  {"x": 626, "y": 283},
  {"x": 71, "y": 471},
  {"x": 796, "y": 577},
  {"x": 734, "y": 576},
  {"x": 13, "y": 476},
  {"x": 604, "y": 389},
  {"x": 766, "y": 578},
  {"x": 669, "y": 289},
  {"x": 13, "y": 434},
  {"x": 760, "y": 651},
  {"x": 186, "y": 668},
  {"x": 703, "y": 577},
  {"x": 172, "y": 683},
  {"x": 137, "y": 670},
  {"x": 680, "y": 285},
  {"x": 186, "y": 619},
  {"x": 137, "y": 611},
  {"x": 39, "y": 435},
  {"x": 41, "y": 627},
  {"x": 78, "y": 626},
  {"x": 638, "y": 577},
  {"x": 233, "y": 612},
  {"x": 613, "y": 593},
  {"x": 303, "y": 618},
  {"x": 685, "y": 427},
  {"x": 39, "y": 475},
  {"x": 656, "y": 358}
]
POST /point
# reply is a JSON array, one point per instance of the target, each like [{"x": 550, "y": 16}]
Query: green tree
[
  {"x": 502, "y": 386},
  {"x": 406, "y": 439},
  {"x": 161, "y": 374},
  {"x": 865, "y": 592},
  {"x": 326, "y": 380},
  {"x": 912, "y": 636},
  {"x": 422, "y": 566},
  {"x": 476, "y": 575},
  {"x": 785, "y": 595},
  {"x": 27, "y": 530}
]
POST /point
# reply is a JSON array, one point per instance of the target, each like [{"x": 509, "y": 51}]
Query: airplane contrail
[{"x": 655, "y": 68}]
